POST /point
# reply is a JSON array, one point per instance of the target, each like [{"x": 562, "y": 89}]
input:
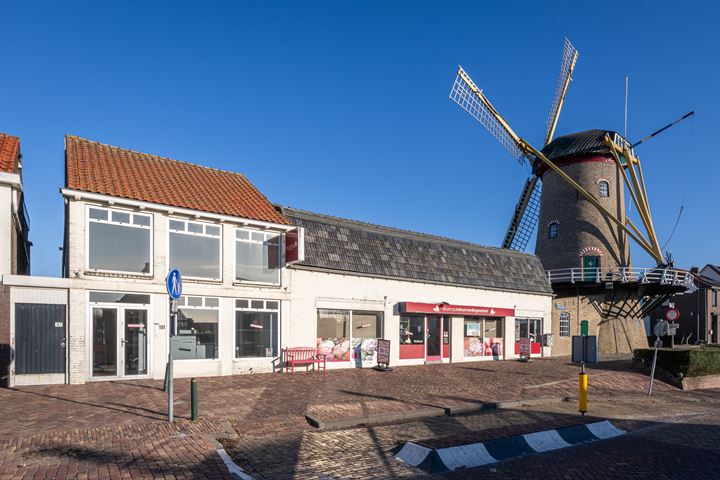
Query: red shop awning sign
[{"x": 447, "y": 309}]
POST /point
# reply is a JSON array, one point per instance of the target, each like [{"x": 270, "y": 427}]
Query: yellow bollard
[{"x": 582, "y": 392}]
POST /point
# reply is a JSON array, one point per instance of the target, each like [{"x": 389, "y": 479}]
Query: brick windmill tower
[{"x": 576, "y": 196}]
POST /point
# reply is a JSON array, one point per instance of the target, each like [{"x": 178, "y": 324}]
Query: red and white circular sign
[{"x": 672, "y": 314}]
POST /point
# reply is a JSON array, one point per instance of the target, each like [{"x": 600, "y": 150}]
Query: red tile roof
[
  {"x": 99, "y": 168},
  {"x": 9, "y": 152}
]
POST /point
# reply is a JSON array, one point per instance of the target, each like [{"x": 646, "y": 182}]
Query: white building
[
  {"x": 130, "y": 217},
  {"x": 14, "y": 226}
]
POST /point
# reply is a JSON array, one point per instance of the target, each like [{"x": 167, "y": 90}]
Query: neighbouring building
[
  {"x": 15, "y": 246},
  {"x": 434, "y": 298},
  {"x": 257, "y": 278},
  {"x": 699, "y": 308}
]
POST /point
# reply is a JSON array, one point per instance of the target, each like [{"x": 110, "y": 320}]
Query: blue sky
[{"x": 342, "y": 107}]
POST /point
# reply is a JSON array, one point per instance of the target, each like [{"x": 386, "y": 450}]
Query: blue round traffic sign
[{"x": 173, "y": 284}]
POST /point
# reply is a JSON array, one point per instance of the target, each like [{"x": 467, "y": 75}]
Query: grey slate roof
[
  {"x": 342, "y": 245},
  {"x": 589, "y": 141}
]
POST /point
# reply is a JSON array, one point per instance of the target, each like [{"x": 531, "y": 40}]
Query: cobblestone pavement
[
  {"x": 368, "y": 452},
  {"x": 678, "y": 450},
  {"x": 116, "y": 429}
]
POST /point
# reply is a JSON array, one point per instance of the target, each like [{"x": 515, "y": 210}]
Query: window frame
[
  {"x": 186, "y": 221},
  {"x": 250, "y": 309},
  {"x": 132, "y": 214},
  {"x": 556, "y": 229},
  {"x": 564, "y": 321},
  {"x": 266, "y": 233},
  {"x": 184, "y": 300},
  {"x": 603, "y": 183}
]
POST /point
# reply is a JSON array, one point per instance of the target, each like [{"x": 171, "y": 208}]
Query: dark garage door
[{"x": 39, "y": 338}]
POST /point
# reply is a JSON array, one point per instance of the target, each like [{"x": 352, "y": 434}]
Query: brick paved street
[{"x": 117, "y": 429}]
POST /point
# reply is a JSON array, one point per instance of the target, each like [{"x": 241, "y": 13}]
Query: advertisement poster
[
  {"x": 364, "y": 351},
  {"x": 493, "y": 347},
  {"x": 383, "y": 351},
  {"x": 473, "y": 347},
  {"x": 335, "y": 349}
]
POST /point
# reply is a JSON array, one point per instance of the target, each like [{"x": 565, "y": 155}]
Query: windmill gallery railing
[{"x": 662, "y": 276}]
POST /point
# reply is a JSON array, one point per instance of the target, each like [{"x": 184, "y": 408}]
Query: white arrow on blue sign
[{"x": 173, "y": 284}]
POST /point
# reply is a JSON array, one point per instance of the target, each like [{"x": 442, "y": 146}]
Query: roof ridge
[
  {"x": 160, "y": 157},
  {"x": 426, "y": 236}
]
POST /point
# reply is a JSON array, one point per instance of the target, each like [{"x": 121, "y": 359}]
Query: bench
[{"x": 303, "y": 356}]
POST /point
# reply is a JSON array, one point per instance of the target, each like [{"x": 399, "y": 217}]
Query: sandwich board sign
[{"x": 383, "y": 355}]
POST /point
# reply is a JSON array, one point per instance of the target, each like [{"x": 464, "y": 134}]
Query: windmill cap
[{"x": 580, "y": 143}]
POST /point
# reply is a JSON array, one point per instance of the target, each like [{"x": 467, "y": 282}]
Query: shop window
[
  {"x": 604, "y": 188},
  {"x": 483, "y": 337},
  {"x": 345, "y": 335},
  {"x": 257, "y": 256},
  {"x": 197, "y": 329},
  {"x": 195, "y": 248},
  {"x": 119, "y": 241},
  {"x": 256, "y": 328},
  {"x": 412, "y": 336},
  {"x": 564, "y": 324}
]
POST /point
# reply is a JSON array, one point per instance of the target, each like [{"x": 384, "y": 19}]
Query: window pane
[
  {"x": 143, "y": 220},
  {"x": 271, "y": 305},
  {"x": 212, "y": 230},
  {"x": 366, "y": 329},
  {"x": 212, "y": 302},
  {"x": 195, "y": 256},
  {"x": 333, "y": 334},
  {"x": 492, "y": 328},
  {"x": 241, "y": 304},
  {"x": 195, "y": 227},
  {"x": 104, "y": 342},
  {"x": 177, "y": 225},
  {"x": 119, "y": 248},
  {"x": 119, "y": 297},
  {"x": 194, "y": 301},
  {"x": 242, "y": 234},
  {"x": 98, "y": 214},
  {"x": 197, "y": 334},
  {"x": 256, "y": 262},
  {"x": 256, "y": 334},
  {"x": 257, "y": 304},
  {"x": 257, "y": 236},
  {"x": 473, "y": 341},
  {"x": 412, "y": 330},
  {"x": 121, "y": 217}
]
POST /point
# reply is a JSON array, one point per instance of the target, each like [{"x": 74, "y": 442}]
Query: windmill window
[
  {"x": 553, "y": 230},
  {"x": 564, "y": 324},
  {"x": 604, "y": 188}
]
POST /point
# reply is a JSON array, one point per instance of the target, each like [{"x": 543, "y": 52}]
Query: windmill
[
  {"x": 525, "y": 217},
  {"x": 577, "y": 193}
]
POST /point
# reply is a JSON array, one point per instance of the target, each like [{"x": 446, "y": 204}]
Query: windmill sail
[
  {"x": 466, "y": 94},
  {"x": 567, "y": 65},
  {"x": 522, "y": 225}
]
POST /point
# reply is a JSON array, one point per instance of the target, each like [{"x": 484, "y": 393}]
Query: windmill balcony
[{"x": 625, "y": 275}]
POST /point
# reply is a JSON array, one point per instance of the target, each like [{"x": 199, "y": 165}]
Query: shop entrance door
[
  {"x": 120, "y": 342},
  {"x": 434, "y": 338}
]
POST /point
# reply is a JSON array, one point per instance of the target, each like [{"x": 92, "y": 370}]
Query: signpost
[
  {"x": 661, "y": 328},
  {"x": 383, "y": 355},
  {"x": 173, "y": 285}
]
